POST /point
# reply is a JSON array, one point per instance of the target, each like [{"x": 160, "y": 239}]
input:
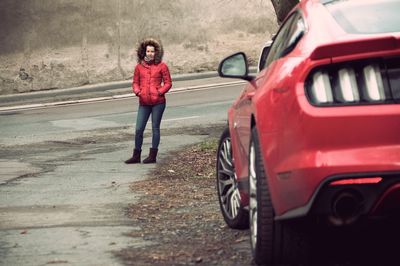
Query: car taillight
[
  {"x": 350, "y": 84},
  {"x": 373, "y": 82},
  {"x": 348, "y": 91},
  {"x": 321, "y": 89}
]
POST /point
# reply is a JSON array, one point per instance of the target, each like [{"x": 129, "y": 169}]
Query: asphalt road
[{"x": 64, "y": 187}]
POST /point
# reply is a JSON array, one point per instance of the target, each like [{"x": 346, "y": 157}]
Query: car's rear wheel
[
  {"x": 228, "y": 192},
  {"x": 272, "y": 242}
]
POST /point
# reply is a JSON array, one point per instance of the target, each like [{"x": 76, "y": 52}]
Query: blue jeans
[{"x": 143, "y": 115}]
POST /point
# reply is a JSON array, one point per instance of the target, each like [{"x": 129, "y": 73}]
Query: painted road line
[
  {"x": 182, "y": 118},
  {"x": 208, "y": 86},
  {"x": 95, "y": 99},
  {"x": 19, "y": 107}
]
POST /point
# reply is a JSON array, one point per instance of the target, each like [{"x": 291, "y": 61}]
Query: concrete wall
[{"x": 49, "y": 44}]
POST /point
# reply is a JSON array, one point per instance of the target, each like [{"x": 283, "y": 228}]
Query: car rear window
[{"x": 366, "y": 16}]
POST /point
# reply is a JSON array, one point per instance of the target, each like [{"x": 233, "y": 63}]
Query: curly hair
[{"x": 141, "y": 50}]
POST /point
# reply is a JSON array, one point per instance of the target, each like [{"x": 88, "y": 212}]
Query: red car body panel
[{"x": 302, "y": 144}]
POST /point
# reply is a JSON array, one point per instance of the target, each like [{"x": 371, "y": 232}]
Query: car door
[{"x": 241, "y": 127}]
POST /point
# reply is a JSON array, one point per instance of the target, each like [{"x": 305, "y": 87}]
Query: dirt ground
[{"x": 179, "y": 213}]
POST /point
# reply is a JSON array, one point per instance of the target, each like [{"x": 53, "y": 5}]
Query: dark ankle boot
[
  {"x": 135, "y": 157},
  {"x": 152, "y": 156}
]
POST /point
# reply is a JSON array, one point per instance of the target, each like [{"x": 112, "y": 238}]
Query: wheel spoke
[
  {"x": 233, "y": 206},
  {"x": 234, "y": 202},
  {"x": 230, "y": 191},
  {"x": 227, "y": 172},
  {"x": 224, "y": 185},
  {"x": 236, "y": 198},
  {"x": 226, "y": 152},
  {"x": 226, "y": 165},
  {"x": 226, "y": 182}
]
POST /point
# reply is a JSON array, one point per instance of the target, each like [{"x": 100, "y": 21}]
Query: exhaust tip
[{"x": 346, "y": 208}]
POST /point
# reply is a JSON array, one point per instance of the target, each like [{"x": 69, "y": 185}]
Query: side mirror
[
  {"x": 264, "y": 55},
  {"x": 235, "y": 66}
]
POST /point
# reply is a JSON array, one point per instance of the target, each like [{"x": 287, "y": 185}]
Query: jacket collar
[{"x": 146, "y": 65}]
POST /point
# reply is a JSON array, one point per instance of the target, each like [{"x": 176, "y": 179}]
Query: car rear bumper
[
  {"x": 319, "y": 145},
  {"x": 306, "y": 182}
]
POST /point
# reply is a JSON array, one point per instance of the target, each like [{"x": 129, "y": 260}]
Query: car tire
[
  {"x": 229, "y": 198},
  {"x": 272, "y": 242}
]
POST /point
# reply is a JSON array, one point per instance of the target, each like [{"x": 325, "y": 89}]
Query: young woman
[{"x": 151, "y": 81}]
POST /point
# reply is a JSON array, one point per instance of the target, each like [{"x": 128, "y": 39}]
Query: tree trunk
[{"x": 282, "y": 8}]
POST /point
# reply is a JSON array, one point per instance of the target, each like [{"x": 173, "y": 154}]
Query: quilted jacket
[{"x": 151, "y": 82}]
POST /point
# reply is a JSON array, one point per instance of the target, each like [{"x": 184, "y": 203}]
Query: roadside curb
[{"x": 95, "y": 87}]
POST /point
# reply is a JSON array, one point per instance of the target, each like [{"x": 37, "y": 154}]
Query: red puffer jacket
[{"x": 151, "y": 82}]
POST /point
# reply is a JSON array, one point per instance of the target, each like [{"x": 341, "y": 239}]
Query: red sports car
[{"x": 315, "y": 135}]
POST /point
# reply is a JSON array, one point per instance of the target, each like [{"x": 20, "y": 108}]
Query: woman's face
[{"x": 150, "y": 52}]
